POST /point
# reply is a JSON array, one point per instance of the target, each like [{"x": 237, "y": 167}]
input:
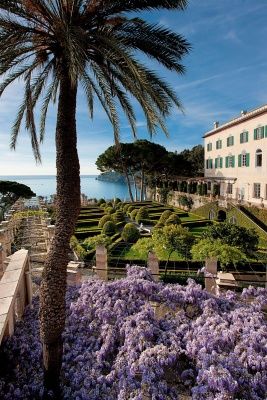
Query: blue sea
[{"x": 45, "y": 185}]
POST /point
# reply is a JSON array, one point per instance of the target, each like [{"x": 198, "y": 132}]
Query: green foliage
[
  {"x": 130, "y": 233},
  {"x": 75, "y": 246},
  {"x": 118, "y": 216},
  {"x": 185, "y": 201},
  {"x": 101, "y": 201},
  {"x": 109, "y": 210},
  {"x": 130, "y": 209},
  {"x": 159, "y": 225},
  {"x": 142, "y": 214},
  {"x": 117, "y": 200},
  {"x": 216, "y": 248},
  {"x": 164, "y": 216},
  {"x": 163, "y": 192},
  {"x": 173, "y": 220},
  {"x": 92, "y": 242},
  {"x": 103, "y": 220},
  {"x": 109, "y": 228},
  {"x": 245, "y": 239},
  {"x": 133, "y": 214},
  {"x": 125, "y": 207},
  {"x": 143, "y": 246},
  {"x": 174, "y": 238}
]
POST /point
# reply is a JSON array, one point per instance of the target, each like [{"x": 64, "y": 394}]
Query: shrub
[
  {"x": 118, "y": 216},
  {"x": 103, "y": 220},
  {"x": 164, "y": 216},
  {"x": 133, "y": 214},
  {"x": 130, "y": 233},
  {"x": 173, "y": 220},
  {"x": 80, "y": 251},
  {"x": 159, "y": 225},
  {"x": 109, "y": 228},
  {"x": 117, "y": 200},
  {"x": 109, "y": 210},
  {"x": 125, "y": 207},
  {"x": 142, "y": 214},
  {"x": 101, "y": 201},
  {"x": 130, "y": 209},
  {"x": 91, "y": 243}
]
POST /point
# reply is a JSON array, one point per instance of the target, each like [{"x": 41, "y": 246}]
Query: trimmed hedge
[
  {"x": 173, "y": 220},
  {"x": 130, "y": 233},
  {"x": 87, "y": 222},
  {"x": 165, "y": 215},
  {"x": 85, "y": 234},
  {"x": 103, "y": 220},
  {"x": 109, "y": 228},
  {"x": 142, "y": 214}
]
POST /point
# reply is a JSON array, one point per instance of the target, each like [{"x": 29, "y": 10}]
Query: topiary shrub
[
  {"x": 125, "y": 207},
  {"x": 92, "y": 242},
  {"x": 130, "y": 233},
  {"x": 164, "y": 216},
  {"x": 109, "y": 228},
  {"x": 109, "y": 210},
  {"x": 130, "y": 209},
  {"x": 117, "y": 200},
  {"x": 103, "y": 220},
  {"x": 133, "y": 214},
  {"x": 142, "y": 214},
  {"x": 101, "y": 201},
  {"x": 173, "y": 220},
  {"x": 118, "y": 216},
  {"x": 159, "y": 225}
]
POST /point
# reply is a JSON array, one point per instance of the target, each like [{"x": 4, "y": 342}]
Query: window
[
  {"x": 209, "y": 164},
  {"x": 259, "y": 133},
  {"x": 230, "y": 162},
  {"x": 257, "y": 190},
  {"x": 209, "y": 185},
  {"x": 243, "y": 160},
  {"x": 218, "y": 162},
  {"x": 218, "y": 144},
  {"x": 209, "y": 146},
  {"x": 230, "y": 141},
  {"x": 243, "y": 137},
  {"x": 258, "y": 158},
  {"x": 229, "y": 189}
]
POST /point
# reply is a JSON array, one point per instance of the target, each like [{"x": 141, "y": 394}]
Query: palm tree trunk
[
  {"x": 135, "y": 185},
  {"x": 142, "y": 185},
  {"x": 53, "y": 286},
  {"x": 128, "y": 183}
]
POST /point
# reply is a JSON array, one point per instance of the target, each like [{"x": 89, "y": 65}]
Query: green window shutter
[
  {"x": 241, "y": 137},
  {"x": 255, "y": 134},
  {"x": 228, "y": 141},
  {"x": 216, "y": 162},
  {"x": 246, "y": 136},
  {"x": 265, "y": 130},
  {"x": 226, "y": 162},
  {"x": 211, "y": 164},
  {"x": 239, "y": 160},
  {"x": 247, "y": 160},
  {"x": 221, "y": 162},
  {"x": 232, "y": 141},
  {"x": 233, "y": 161}
]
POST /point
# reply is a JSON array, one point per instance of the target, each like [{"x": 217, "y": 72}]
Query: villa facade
[{"x": 236, "y": 157}]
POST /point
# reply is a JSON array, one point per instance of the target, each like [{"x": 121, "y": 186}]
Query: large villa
[{"x": 236, "y": 157}]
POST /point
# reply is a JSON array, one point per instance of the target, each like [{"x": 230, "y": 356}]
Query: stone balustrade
[{"x": 15, "y": 291}]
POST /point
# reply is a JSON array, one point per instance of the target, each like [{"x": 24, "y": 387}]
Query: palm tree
[{"x": 54, "y": 46}]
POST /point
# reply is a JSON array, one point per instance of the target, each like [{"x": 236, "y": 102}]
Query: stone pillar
[
  {"x": 1, "y": 261},
  {"x": 102, "y": 262},
  {"x": 210, "y": 275},
  {"x": 3, "y": 243},
  {"x": 28, "y": 281},
  {"x": 153, "y": 265}
]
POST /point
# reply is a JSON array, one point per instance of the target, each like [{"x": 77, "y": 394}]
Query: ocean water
[{"x": 45, "y": 185}]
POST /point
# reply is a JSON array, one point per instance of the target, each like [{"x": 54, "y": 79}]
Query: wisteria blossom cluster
[{"x": 135, "y": 338}]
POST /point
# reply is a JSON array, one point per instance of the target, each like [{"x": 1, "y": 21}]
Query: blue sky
[{"x": 226, "y": 72}]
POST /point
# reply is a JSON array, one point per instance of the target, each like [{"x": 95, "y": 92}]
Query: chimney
[
  {"x": 243, "y": 112},
  {"x": 216, "y": 124}
]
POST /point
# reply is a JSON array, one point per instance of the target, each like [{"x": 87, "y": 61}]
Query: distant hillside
[{"x": 111, "y": 177}]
